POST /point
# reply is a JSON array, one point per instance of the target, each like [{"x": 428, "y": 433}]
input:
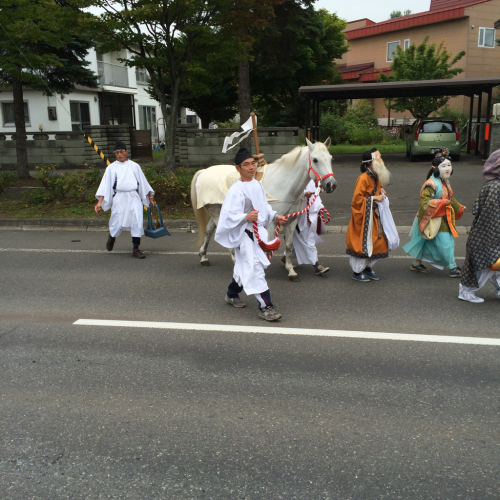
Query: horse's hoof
[
  {"x": 205, "y": 263},
  {"x": 294, "y": 278}
]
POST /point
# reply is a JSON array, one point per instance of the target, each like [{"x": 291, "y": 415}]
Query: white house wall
[{"x": 38, "y": 103}]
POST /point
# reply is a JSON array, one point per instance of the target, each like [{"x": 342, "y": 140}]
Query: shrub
[
  {"x": 7, "y": 179},
  {"x": 234, "y": 123},
  {"x": 53, "y": 183},
  {"x": 361, "y": 113},
  {"x": 54, "y": 186},
  {"x": 170, "y": 189},
  {"x": 456, "y": 114},
  {"x": 333, "y": 126},
  {"x": 364, "y": 136},
  {"x": 391, "y": 136},
  {"x": 85, "y": 183}
]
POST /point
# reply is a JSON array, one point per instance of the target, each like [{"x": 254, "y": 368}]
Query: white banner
[{"x": 247, "y": 127}]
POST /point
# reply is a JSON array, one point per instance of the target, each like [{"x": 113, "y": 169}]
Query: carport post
[
  {"x": 487, "y": 128},
  {"x": 308, "y": 118},
  {"x": 313, "y": 119},
  {"x": 478, "y": 121},
  {"x": 317, "y": 120},
  {"x": 469, "y": 128}
]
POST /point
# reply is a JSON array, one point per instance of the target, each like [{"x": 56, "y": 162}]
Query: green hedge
[{"x": 81, "y": 185}]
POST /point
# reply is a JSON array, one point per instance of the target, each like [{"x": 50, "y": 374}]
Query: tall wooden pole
[{"x": 255, "y": 138}]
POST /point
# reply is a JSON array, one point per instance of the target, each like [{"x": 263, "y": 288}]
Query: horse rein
[{"x": 323, "y": 214}]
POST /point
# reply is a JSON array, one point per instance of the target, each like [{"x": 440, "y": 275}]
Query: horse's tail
[{"x": 201, "y": 214}]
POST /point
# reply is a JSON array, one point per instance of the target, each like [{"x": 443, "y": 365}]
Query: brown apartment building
[{"x": 463, "y": 24}]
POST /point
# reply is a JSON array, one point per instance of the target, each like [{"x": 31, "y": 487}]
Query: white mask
[{"x": 445, "y": 169}]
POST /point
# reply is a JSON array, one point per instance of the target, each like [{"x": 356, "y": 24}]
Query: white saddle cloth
[{"x": 213, "y": 183}]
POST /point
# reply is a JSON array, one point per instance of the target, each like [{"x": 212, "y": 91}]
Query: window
[
  {"x": 141, "y": 75},
  {"x": 391, "y": 50},
  {"x": 8, "y": 113},
  {"x": 147, "y": 119},
  {"x": 80, "y": 115},
  {"x": 117, "y": 109},
  {"x": 406, "y": 44},
  {"x": 486, "y": 37},
  {"x": 437, "y": 127},
  {"x": 193, "y": 119}
]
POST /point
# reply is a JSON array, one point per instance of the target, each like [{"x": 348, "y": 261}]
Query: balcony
[{"x": 112, "y": 74}]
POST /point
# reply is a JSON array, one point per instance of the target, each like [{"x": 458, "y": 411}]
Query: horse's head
[{"x": 320, "y": 165}]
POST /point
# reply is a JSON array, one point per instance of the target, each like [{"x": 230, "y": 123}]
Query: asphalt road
[{"x": 90, "y": 412}]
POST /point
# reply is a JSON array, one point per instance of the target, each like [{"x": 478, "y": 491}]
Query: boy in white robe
[
  {"x": 125, "y": 190},
  {"x": 306, "y": 235},
  {"x": 244, "y": 204}
]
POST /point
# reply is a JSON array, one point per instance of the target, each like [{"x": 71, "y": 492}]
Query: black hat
[
  {"x": 120, "y": 145},
  {"x": 242, "y": 155},
  {"x": 367, "y": 156}
]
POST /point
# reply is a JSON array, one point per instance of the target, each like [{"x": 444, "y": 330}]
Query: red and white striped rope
[{"x": 274, "y": 245}]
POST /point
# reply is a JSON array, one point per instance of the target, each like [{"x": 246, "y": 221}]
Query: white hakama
[
  {"x": 306, "y": 238},
  {"x": 251, "y": 260},
  {"x": 125, "y": 190}
]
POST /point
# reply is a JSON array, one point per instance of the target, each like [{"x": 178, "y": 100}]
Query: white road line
[
  {"x": 159, "y": 252},
  {"x": 289, "y": 331}
]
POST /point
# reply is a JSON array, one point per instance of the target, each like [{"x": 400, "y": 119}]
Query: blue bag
[{"x": 155, "y": 228}]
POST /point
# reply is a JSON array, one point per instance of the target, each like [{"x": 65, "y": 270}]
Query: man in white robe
[
  {"x": 306, "y": 237},
  {"x": 244, "y": 204},
  {"x": 125, "y": 190}
]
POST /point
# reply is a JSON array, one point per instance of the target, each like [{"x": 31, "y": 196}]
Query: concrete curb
[{"x": 173, "y": 225}]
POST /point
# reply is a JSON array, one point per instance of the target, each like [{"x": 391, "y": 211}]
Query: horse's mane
[{"x": 290, "y": 158}]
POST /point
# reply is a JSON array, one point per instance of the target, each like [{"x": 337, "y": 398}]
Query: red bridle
[{"x": 311, "y": 169}]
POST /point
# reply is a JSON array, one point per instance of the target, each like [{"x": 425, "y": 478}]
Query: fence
[
  {"x": 68, "y": 149},
  {"x": 203, "y": 147}
]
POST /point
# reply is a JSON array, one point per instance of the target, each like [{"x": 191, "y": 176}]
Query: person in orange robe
[{"x": 365, "y": 238}]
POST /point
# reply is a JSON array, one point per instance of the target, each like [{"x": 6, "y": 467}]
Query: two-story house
[
  {"x": 462, "y": 24},
  {"x": 121, "y": 98}
]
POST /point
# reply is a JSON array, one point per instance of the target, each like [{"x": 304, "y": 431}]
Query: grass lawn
[
  {"x": 383, "y": 148},
  {"x": 16, "y": 208}
]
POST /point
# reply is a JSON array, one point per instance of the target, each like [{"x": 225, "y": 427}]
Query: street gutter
[{"x": 173, "y": 225}]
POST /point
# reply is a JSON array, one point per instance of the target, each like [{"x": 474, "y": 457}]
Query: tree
[
  {"x": 422, "y": 62},
  {"x": 248, "y": 14},
  {"x": 164, "y": 37},
  {"x": 220, "y": 104},
  {"x": 167, "y": 38},
  {"x": 397, "y": 13},
  {"x": 43, "y": 47},
  {"x": 295, "y": 48}
]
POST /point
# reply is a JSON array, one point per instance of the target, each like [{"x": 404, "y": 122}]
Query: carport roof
[{"x": 388, "y": 90}]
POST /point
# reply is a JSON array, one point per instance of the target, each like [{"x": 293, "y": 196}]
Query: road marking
[
  {"x": 159, "y": 252},
  {"x": 290, "y": 331}
]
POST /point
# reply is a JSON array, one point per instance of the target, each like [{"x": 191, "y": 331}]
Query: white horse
[{"x": 284, "y": 181}]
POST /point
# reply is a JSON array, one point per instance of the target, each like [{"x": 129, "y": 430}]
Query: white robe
[
  {"x": 306, "y": 238},
  {"x": 132, "y": 189},
  {"x": 251, "y": 260}
]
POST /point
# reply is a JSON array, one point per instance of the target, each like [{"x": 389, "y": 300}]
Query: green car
[{"x": 427, "y": 135}]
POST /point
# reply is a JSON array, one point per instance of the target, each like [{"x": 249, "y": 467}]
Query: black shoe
[
  {"x": 138, "y": 254},
  {"x": 110, "y": 243},
  {"x": 419, "y": 268}
]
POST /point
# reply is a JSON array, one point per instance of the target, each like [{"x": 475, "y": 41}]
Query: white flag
[{"x": 247, "y": 127}]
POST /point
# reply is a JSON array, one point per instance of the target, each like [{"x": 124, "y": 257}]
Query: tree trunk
[
  {"x": 244, "y": 99},
  {"x": 205, "y": 119},
  {"x": 171, "y": 131},
  {"x": 169, "y": 120},
  {"x": 21, "y": 148}
]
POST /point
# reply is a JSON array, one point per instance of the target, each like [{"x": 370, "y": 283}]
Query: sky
[{"x": 376, "y": 10}]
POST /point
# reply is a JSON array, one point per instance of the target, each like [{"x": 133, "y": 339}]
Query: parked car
[{"x": 427, "y": 135}]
